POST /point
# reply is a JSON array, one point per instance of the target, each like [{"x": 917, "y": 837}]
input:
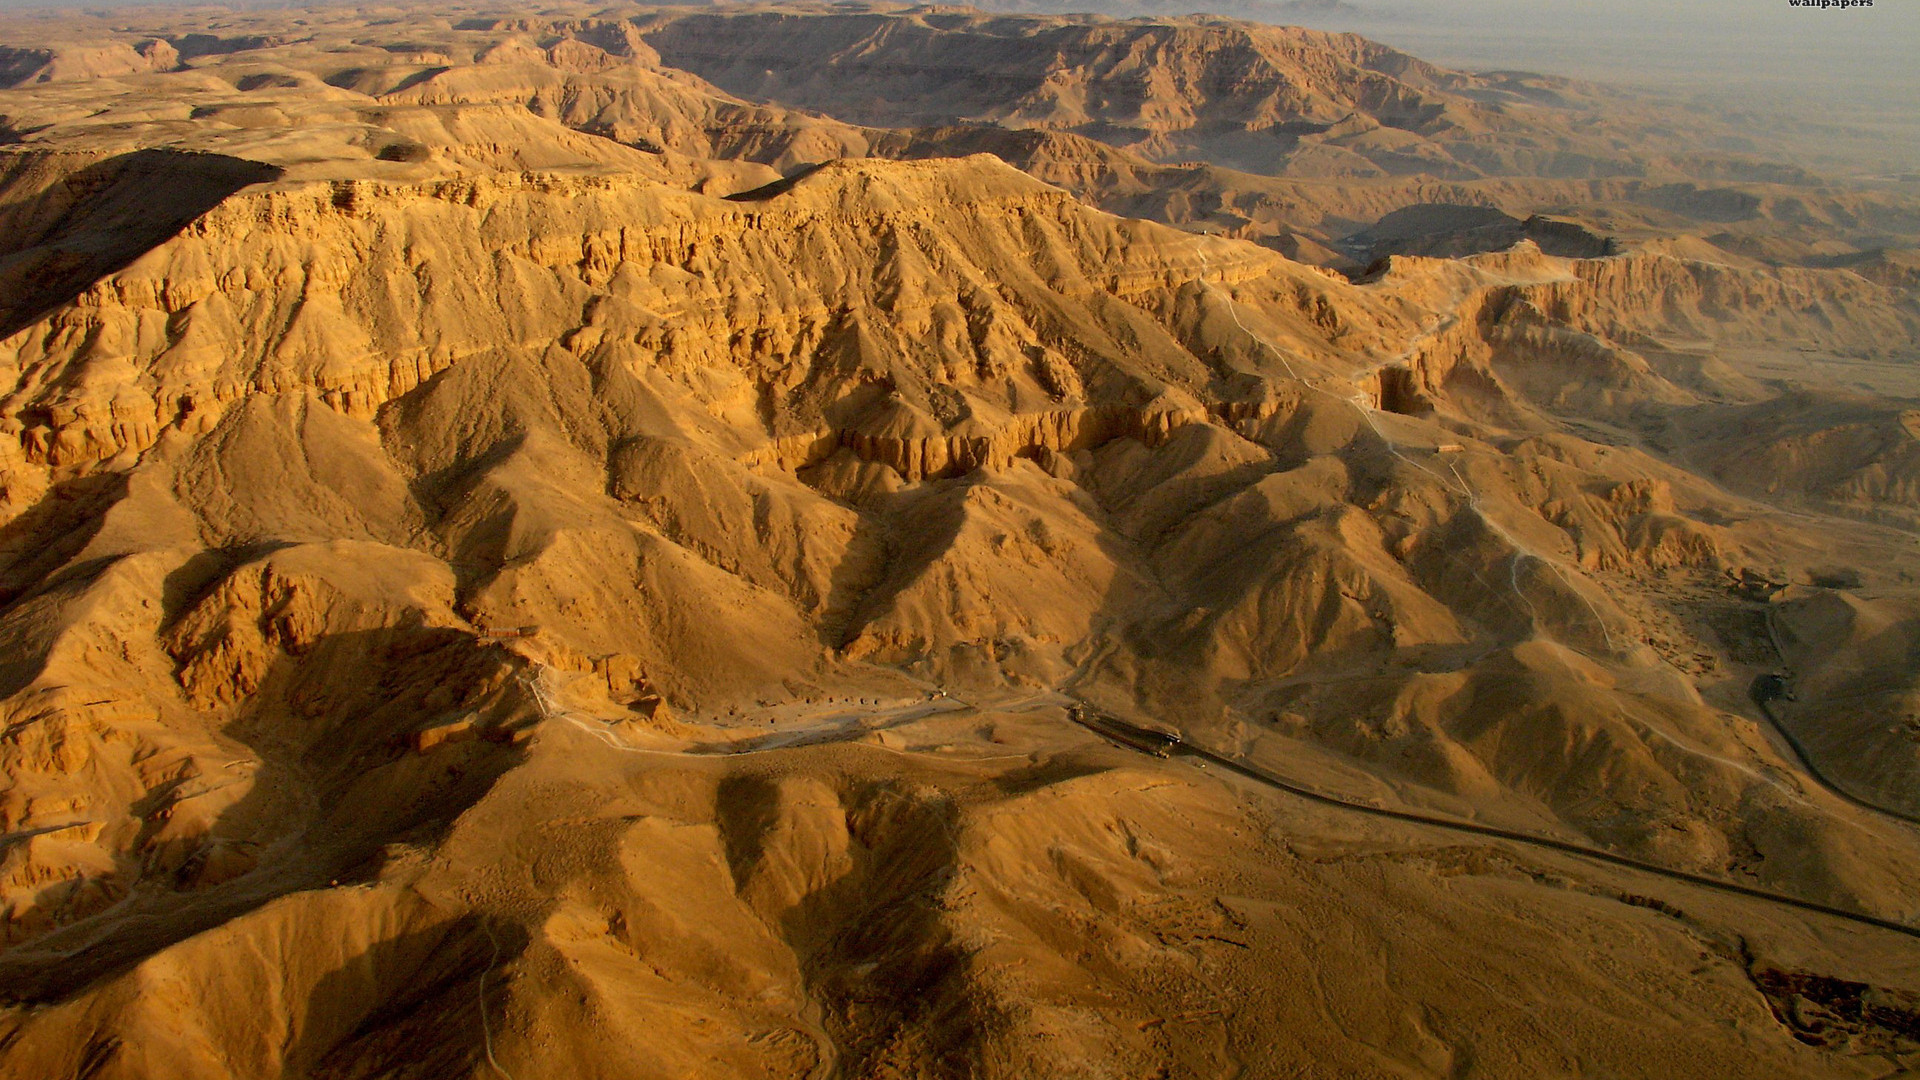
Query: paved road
[
  {"x": 1799, "y": 748},
  {"x": 1165, "y": 745},
  {"x": 1162, "y": 744}
]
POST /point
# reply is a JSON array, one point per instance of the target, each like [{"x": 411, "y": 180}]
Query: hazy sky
[
  {"x": 1857, "y": 70},
  {"x": 1764, "y": 35}
]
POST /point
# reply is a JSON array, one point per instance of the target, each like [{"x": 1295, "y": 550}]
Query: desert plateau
[{"x": 877, "y": 542}]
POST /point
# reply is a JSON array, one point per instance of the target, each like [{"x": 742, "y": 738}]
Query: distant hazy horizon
[
  {"x": 1851, "y": 68},
  {"x": 1848, "y": 80}
]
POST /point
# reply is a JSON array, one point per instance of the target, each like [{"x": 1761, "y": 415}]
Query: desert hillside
[{"x": 898, "y": 542}]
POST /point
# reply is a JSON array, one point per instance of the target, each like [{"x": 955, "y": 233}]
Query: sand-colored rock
[{"x": 528, "y": 548}]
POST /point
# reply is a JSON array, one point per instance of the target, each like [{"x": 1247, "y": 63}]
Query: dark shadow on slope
[
  {"x": 194, "y": 579},
  {"x": 193, "y": 45},
  {"x": 102, "y": 218},
  {"x": 893, "y": 963},
  {"x": 1440, "y": 230},
  {"x": 44, "y": 537},
  {"x": 419, "y": 1000},
  {"x": 778, "y": 187},
  {"x": 918, "y": 533},
  {"x": 413, "y": 80},
  {"x": 1057, "y": 769},
  {"x": 333, "y": 725},
  {"x": 410, "y": 1005},
  {"x": 874, "y": 945},
  {"x": 19, "y": 66},
  {"x": 862, "y": 566}
]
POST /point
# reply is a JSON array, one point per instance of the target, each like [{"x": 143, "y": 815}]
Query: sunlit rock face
[{"x": 618, "y": 544}]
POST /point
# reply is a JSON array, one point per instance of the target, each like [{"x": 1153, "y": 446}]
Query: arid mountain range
[{"x": 902, "y": 542}]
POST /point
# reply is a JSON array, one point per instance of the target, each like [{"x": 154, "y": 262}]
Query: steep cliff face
[
  {"x": 1619, "y": 337},
  {"x": 843, "y": 305},
  {"x": 1245, "y": 95},
  {"x": 624, "y": 96},
  {"x": 1152, "y": 79},
  {"x": 1850, "y": 453},
  {"x": 70, "y": 61}
]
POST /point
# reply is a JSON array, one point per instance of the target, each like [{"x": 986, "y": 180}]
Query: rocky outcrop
[
  {"x": 75, "y": 62},
  {"x": 343, "y": 301}
]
